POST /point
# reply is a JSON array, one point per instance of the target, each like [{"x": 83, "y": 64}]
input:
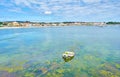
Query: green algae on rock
[{"x": 68, "y": 56}]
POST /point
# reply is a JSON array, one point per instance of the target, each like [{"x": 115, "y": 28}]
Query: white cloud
[
  {"x": 91, "y": 1},
  {"x": 22, "y": 2},
  {"x": 47, "y": 12},
  {"x": 69, "y": 8},
  {"x": 16, "y": 9}
]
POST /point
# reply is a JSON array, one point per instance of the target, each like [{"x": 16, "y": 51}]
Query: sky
[{"x": 60, "y": 10}]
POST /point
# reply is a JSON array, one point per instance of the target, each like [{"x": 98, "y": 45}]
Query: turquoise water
[{"x": 37, "y": 52}]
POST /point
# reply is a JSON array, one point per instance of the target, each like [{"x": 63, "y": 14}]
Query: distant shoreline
[
  {"x": 29, "y": 27},
  {"x": 6, "y": 27},
  {"x": 28, "y": 24},
  {"x": 10, "y": 27}
]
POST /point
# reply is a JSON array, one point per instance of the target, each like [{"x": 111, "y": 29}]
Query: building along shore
[{"x": 40, "y": 24}]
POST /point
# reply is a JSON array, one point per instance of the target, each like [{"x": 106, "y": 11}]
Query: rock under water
[{"x": 68, "y": 56}]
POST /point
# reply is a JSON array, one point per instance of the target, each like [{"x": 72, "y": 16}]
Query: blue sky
[{"x": 60, "y": 10}]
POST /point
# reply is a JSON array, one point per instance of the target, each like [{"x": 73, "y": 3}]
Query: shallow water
[{"x": 37, "y": 52}]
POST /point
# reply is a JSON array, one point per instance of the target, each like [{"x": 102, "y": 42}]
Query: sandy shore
[
  {"x": 20, "y": 27},
  {"x": 10, "y": 27},
  {"x": 30, "y": 27},
  {"x": 48, "y": 26}
]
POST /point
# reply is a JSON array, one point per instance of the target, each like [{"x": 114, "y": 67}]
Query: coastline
[
  {"x": 11, "y": 27},
  {"x": 28, "y": 27},
  {"x": 6, "y": 27}
]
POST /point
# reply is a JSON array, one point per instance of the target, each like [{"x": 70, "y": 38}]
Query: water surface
[{"x": 37, "y": 52}]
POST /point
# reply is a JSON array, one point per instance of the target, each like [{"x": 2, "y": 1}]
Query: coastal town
[
  {"x": 40, "y": 24},
  {"x": 30, "y": 24}
]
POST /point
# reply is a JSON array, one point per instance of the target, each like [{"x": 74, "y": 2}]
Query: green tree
[
  {"x": 113, "y": 23},
  {"x": 1, "y": 24}
]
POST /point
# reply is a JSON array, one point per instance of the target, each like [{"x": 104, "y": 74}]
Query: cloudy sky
[{"x": 60, "y": 10}]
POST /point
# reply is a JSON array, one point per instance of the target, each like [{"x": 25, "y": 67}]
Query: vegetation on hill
[
  {"x": 113, "y": 23},
  {"x": 1, "y": 23}
]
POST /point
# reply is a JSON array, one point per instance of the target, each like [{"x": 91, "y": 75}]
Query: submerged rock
[{"x": 67, "y": 56}]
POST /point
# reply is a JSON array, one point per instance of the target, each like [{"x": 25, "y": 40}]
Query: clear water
[{"x": 37, "y": 52}]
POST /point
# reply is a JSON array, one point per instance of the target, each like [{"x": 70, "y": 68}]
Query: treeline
[
  {"x": 113, "y": 23},
  {"x": 1, "y": 23}
]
